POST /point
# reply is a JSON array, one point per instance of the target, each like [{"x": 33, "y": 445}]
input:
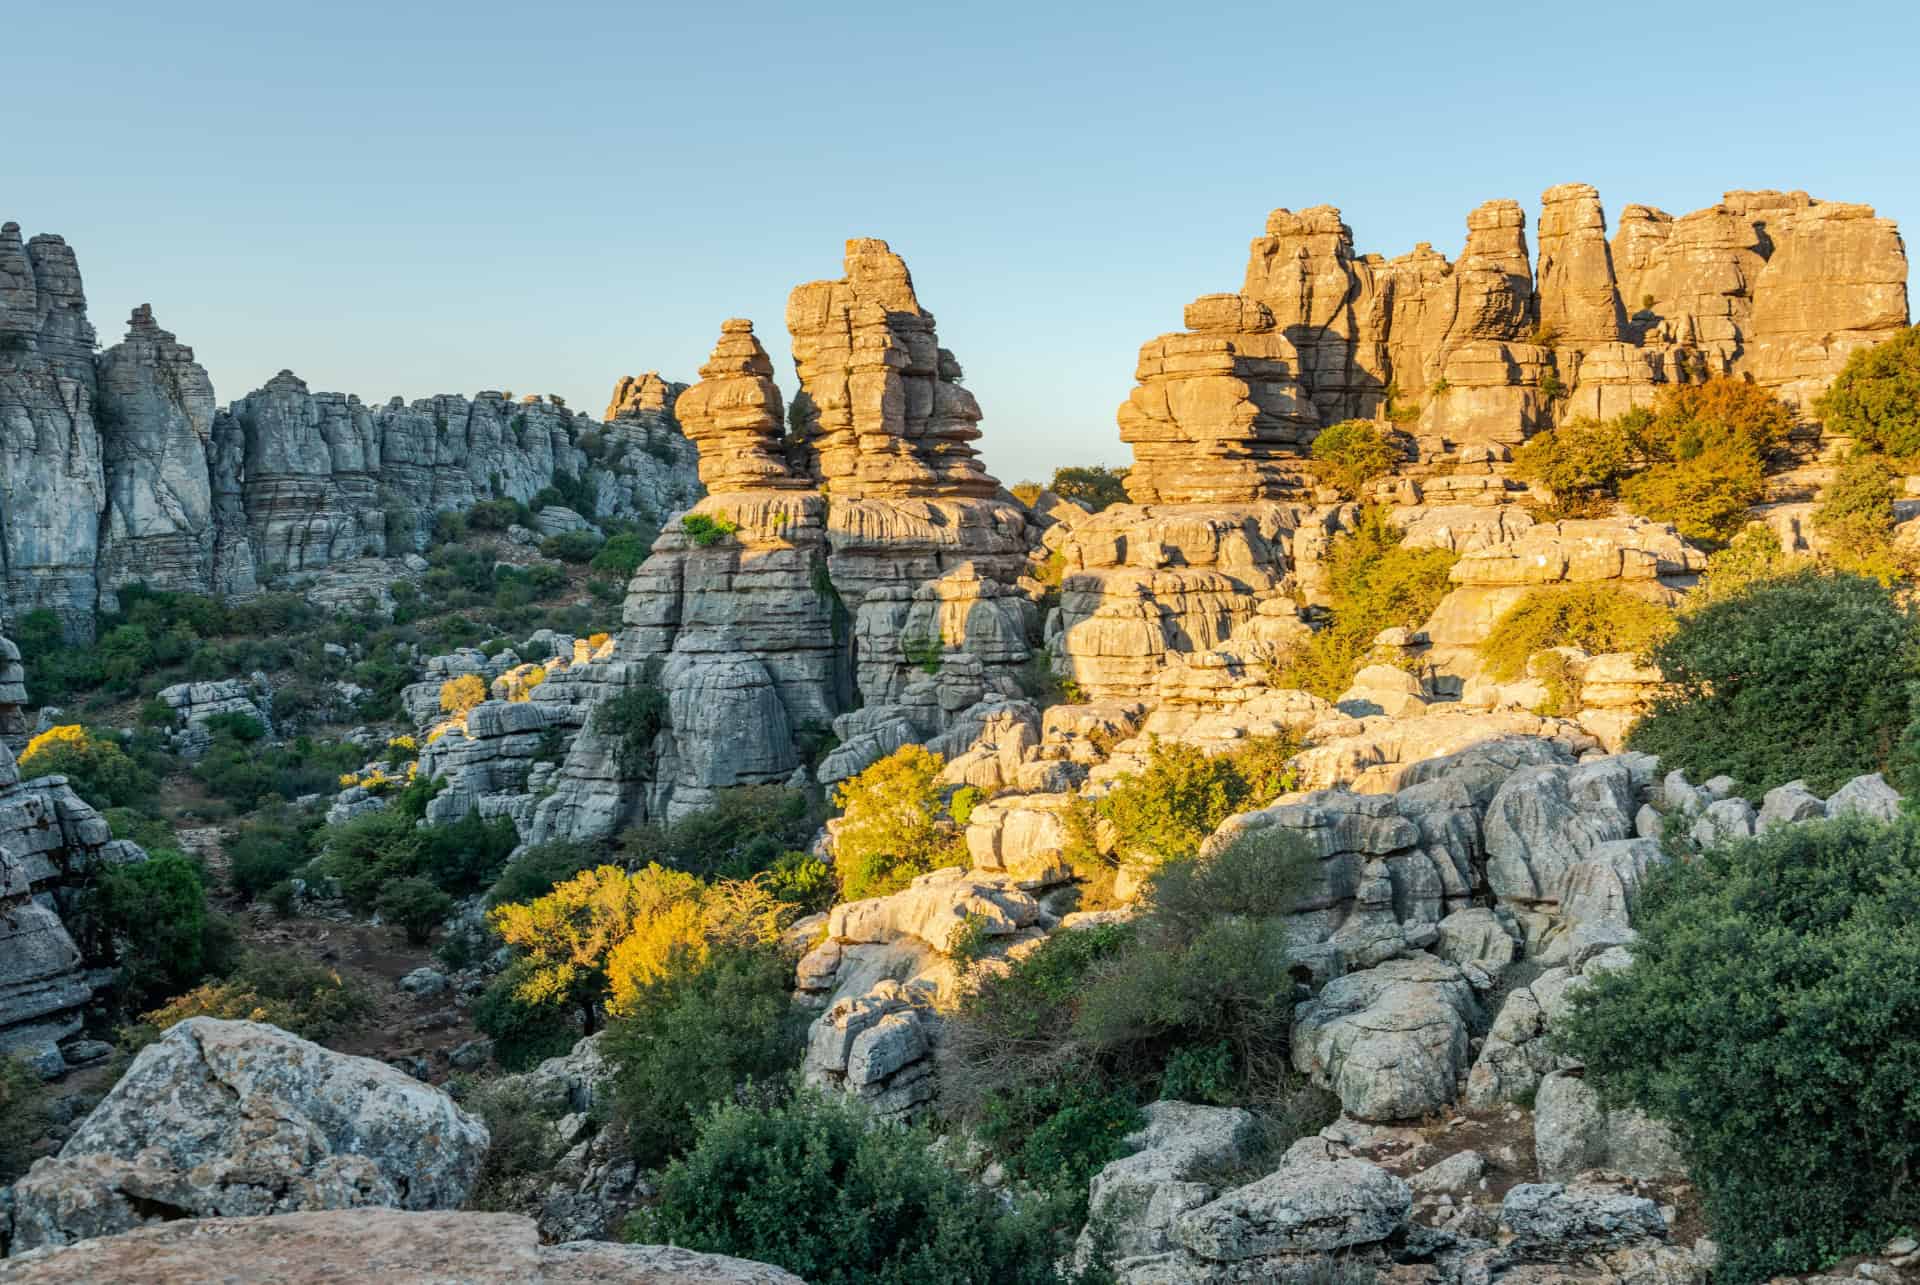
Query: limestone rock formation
[
  {"x": 388, "y": 1245},
  {"x": 1579, "y": 301},
  {"x": 52, "y": 481},
  {"x": 642, "y": 396},
  {"x": 13, "y": 692},
  {"x": 881, "y": 408},
  {"x": 228, "y": 1118},
  {"x": 1219, "y": 415},
  {"x": 733, "y": 416}
]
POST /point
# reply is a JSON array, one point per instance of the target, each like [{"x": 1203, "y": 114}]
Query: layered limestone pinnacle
[
  {"x": 734, "y": 416},
  {"x": 641, "y": 396},
  {"x": 881, "y": 411}
]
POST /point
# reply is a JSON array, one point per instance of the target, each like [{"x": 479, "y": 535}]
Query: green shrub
[
  {"x": 705, "y": 530},
  {"x": 1761, "y": 1019},
  {"x": 98, "y": 769},
  {"x": 520, "y": 1142},
  {"x": 1753, "y": 555},
  {"x": 535, "y": 872},
  {"x": 1166, "y": 810},
  {"x": 801, "y": 880},
  {"x": 127, "y": 823},
  {"x": 924, "y": 653},
  {"x": 1096, "y": 485},
  {"x": 265, "y": 853},
  {"x": 633, "y": 719},
  {"x": 367, "y": 853},
  {"x": 1352, "y": 453},
  {"x": 695, "y": 1036},
  {"x": 572, "y": 546},
  {"x": 1374, "y": 582},
  {"x": 892, "y": 828},
  {"x": 813, "y": 1186},
  {"x": 620, "y": 556},
  {"x": 1056, "y": 1135},
  {"x": 1705, "y": 495},
  {"x": 745, "y": 831},
  {"x": 498, "y": 515},
  {"x": 524, "y": 1032},
  {"x": 1855, "y": 514},
  {"x": 466, "y": 856},
  {"x": 25, "y": 1115},
  {"x": 1876, "y": 398},
  {"x": 283, "y": 990},
  {"x": 414, "y": 906},
  {"x": 154, "y": 915},
  {"x": 1804, "y": 676},
  {"x": 1597, "y": 618}
]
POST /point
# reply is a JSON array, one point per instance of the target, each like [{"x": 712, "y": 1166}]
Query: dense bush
[
  {"x": 1752, "y": 556},
  {"x": 693, "y": 1035},
  {"x": 1876, "y": 398},
  {"x": 1696, "y": 459},
  {"x": 1196, "y": 991},
  {"x": 1804, "y": 676},
  {"x": 1095, "y": 485},
  {"x": 267, "y": 850},
  {"x": 1352, "y": 453},
  {"x": 1855, "y": 514},
  {"x": 536, "y": 871},
  {"x": 498, "y": 515},
  {"x": 705, "y": 530},
  {"x": 632, "y": 720},
  {"x": 459, "y": 695},
  {"x": 1770, "y": 1016},
  {"x": 414, "y": 906},
  {"x": 892, "y": 825},
  {"x": 98, "y": 769},
  {"x": 294, "y": 994},
  {"x": 572, "y": 546},
  {"x": 813, "y": 1186},
  {"x": 25, "y": 1115},
  {"x": 247, "y": 774},
  {"x": 1180, "y": 796},
  {"x": 746, "y": 831},
  {"x": 1374, "y": 582},
  {"x": 620, "y": 556},
  {"x": 1596, "y": 618},
  {"x": 152, "y": 917}
]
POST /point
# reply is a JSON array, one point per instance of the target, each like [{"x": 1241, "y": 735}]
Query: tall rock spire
[{"x": 733, "y": 415}]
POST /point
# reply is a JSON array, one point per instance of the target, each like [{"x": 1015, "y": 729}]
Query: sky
[{"x": 421, "y": 196}]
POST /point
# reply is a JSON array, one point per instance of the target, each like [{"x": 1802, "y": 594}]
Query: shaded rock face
[
  {"x": 52, "y": 481},
  {"x": 13, "y": 693},
  {"x": 229, "y": 1118},
  {"x": 401, "y": 1248},
  {"x": 52, "y": 845}
]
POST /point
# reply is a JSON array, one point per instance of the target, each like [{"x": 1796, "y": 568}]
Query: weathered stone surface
[
  {"x": 320, "y": 1248},
  {"x": 1391, "y": 1041},
  {"x": 224, "y": 1118},
  {"x": 195, "y": 704},
  {"x": 1572, "y": 1133},
  {"x": 1554, "y": 1222},
  {"x": 881, "y": 412},
  {"x": 1867, "y": 796},
  {"x": 734, "y": 416},
  {"x": 1133, "y": 1201},
  {"x": 875, "y": 1047},
  {"x": 1305, "y": 1205},
  {"x": 13, "y": 693}
]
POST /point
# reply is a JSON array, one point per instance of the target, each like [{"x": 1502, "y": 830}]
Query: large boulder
[
  {"x": 1392, "y": 1041},
  {"x": 1133, "y": 1201},
  {"x": 1307, "y": 1206},
  {"x": 229, "y": 1118},
  {"x": 321, "y": 1248},
  {"x": 1573, "y": 1133}
]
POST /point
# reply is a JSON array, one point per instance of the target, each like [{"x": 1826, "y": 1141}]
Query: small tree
[
  {"x": 1095, "y": 485},
  {"x": 892, "y": 827},
  {"x": 1352, "y": 453},
  {"x": 98, "y": 769},
  {"x": 1855, "y": 514},
  {"x": 414, "y": 906},
  {"x": 1802, "y": 676},
  {"x": 1770, "y": 1016},
  {"x": 1876, "y": 399},
  {"x": 459, "y": 695}
]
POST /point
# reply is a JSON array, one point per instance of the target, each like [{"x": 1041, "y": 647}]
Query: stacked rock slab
[
  {"x": 1219, "y": 415},
  {"x": 13, "y": 692},
  {"x": 881, "y": 407},
  {"x": 733, "y": 416}
]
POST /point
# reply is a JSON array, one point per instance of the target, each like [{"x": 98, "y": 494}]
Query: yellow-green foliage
[
  {"x": 1374, "y": 582},
  {"x": 1165, "y": 811},
  {"x": 1095, "y": 485},
  {"x": 99, "y": 770},
  {"x": 600, "y": 937},
  {"x": 1753, "y": 555},
  {"x": 1855, "y": 514},
  {"x": 892, "y": 827},
  {"x": 458, "y": 695},
  {"x": 1876, "y": 399},
  {"x": 1696, "y": 459},
  {"x": 1596, "y": 618},
  {"x": 1352, "y": 453}
]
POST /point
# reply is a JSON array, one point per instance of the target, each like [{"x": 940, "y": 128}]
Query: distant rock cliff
[{"x": 117, "y": 467}]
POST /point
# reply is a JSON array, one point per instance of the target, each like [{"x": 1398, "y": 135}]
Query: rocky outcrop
[
  {"x": 227, "y": 1118},
  {"x": 373, "y": 1244},
  {"x": 881, "y": 410},
  {"x": 13, "y": 692},
  {"x": 52, "y": 845},
  {"x": 117, "y": 467},
  {"x": 733, "y": 416},
  {"x": 1219, "y": 415},
  {"x": 52, "y": 479}
]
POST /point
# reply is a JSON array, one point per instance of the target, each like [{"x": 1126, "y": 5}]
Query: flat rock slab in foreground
[{"x": 382, "y": 1245}]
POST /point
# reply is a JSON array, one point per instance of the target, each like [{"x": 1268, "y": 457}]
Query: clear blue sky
[{"x": 421, "y": 196}]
